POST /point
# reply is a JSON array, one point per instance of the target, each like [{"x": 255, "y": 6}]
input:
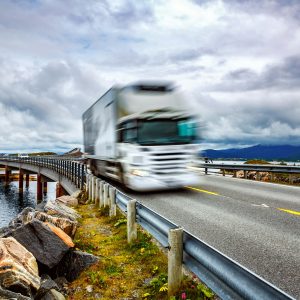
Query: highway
[{"x": 255, "y": 223}]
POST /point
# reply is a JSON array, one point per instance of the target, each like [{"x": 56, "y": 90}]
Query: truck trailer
[{"x": 143, "y": 136}]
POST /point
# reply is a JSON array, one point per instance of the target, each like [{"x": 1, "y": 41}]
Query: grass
[{"x": 124, "y": 271}]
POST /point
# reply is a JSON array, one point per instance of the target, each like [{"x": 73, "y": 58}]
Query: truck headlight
[{"x": 140, "y": 173}]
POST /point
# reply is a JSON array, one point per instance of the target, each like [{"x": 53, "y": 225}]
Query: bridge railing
[
  {"x": 227, "y": 278},
  {"x": 252, "y": 167},
  {"x": 71, "y": 167}
]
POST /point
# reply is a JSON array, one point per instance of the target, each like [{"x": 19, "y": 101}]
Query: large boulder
[
  {"x": 73, "y": 263},
  {"x": 28, "y": 214},
  {"x": 68, "y": 200},
  {"x": 18, "y": 268},
  {"x": 58, "y": 209},
  {"x": 45, "y": 241},
  {"x": 68, "y": 226}
]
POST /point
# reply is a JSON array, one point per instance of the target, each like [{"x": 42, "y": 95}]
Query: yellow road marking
[
  {"x": 293, "y": 212},
  {"x": 202, "y": 191}
]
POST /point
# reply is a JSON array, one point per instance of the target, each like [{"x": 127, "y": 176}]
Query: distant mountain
[{"x": 270, "y": 152}]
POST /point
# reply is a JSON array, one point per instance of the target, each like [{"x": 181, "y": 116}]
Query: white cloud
[{"x": 237, "y": 60}]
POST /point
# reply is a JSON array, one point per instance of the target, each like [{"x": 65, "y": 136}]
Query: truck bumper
[{"x": 144, "y": 184}]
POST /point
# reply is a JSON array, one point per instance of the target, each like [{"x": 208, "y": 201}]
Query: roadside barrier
[{"x": 227, "y": 278}]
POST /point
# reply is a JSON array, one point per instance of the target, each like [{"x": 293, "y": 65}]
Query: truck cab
[{"x": 144, "y": 136}]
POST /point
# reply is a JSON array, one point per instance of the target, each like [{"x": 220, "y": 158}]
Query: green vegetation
[{"x": 134, "y": 271}]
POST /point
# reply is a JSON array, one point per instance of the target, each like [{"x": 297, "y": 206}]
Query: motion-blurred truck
[{"x": 143, "y": 136}]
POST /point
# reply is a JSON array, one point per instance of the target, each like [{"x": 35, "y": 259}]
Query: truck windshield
[{"x": 159, "y": 132}]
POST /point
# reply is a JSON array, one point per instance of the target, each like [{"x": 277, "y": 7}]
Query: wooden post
[
  {"x": 90, "y": 186},
  {"x": 97, "y": 191},
  {"x": 112, "y": 198},
  {"x": 27, "y": 180},
  {"x": 175, "y": 260},
  {"x": 131, "y": 221},
  {"x": 105, "y": 194},
  {"x": 93, "y": 188},
  {"x": 21, "y": 177},
  {"x": 101, "y": 199},
  {"x": 39, "y": 192}
]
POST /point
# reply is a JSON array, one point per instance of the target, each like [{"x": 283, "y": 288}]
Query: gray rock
[
  {"x": 46, "y": 285},
  {"x": 73, "y": 263},
  {"x": 5, "y": 294},
  {"x": 53, "y": 295},
  {"x": 62, "y": 284},
  {"x": 22, "y": 217},
  {"x": 43, "y": 241},
  {"x": 57, "y": 209}
]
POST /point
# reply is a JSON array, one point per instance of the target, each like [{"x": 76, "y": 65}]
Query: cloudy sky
[{"x": 237, "y": 61}]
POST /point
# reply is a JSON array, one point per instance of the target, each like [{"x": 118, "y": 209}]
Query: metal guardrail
[
  {"x": 224, "y": 276},
  {"x": 250, "y": 167},
  {"x": 227, "y": 278},
  {"x": 71, "y": 167}
]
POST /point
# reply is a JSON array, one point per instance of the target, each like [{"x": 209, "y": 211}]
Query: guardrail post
[
  {"x": 105, "y": 194},
  {"x": 131, "y": 221},
  {"x": 89, "y": 185},
  {"x": 223, "y": 172},
  {"x": 245, "y": 174},
  {"x": 291, "y": 179},
  {"x": 82, "y": 178},
  {"x": 234, "y": 174},
  {"x": 93, "y": 188},
  {"x": 101, "y": 188},
  {"x": 272, "y": 176},
  {"x": 175, "y": 260},
  {"x": 97, "y": 183},
  {"x": 205, "y": 171},
  {"x": 112, "y": 198}
]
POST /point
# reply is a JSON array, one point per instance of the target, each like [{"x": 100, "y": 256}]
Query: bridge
[
  {"x": 68, "y": 172},
  {"x": 248, "y": 221}
]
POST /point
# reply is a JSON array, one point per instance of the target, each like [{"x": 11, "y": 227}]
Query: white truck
[{"x": 142, "y": 136}]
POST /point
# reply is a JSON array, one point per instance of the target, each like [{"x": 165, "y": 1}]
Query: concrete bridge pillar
[
  {"x": 45, "y": 187},
  {"x": 21, "y": 177},
  {"x": 39, "y": 192},
  {"x": 7, "y": 175},
  {"x": 59, "y": 190},
  {"x": 27, "y": 180}
]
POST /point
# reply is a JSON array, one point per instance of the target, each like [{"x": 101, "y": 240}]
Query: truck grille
[{"x": 164, "y": 164}]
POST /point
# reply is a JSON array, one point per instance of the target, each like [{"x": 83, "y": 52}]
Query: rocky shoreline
[{"x": 37, "y": 254}]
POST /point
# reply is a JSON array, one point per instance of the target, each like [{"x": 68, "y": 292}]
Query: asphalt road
[{"x": 255, "y": 223}]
